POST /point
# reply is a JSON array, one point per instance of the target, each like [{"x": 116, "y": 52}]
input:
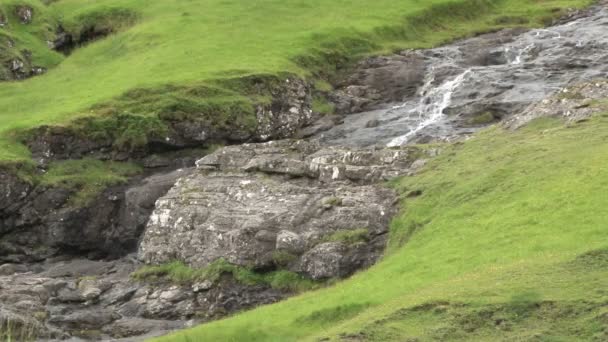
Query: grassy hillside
[
  {"x": 187, "y": 42},
  {"x": 508, "y": 241}
]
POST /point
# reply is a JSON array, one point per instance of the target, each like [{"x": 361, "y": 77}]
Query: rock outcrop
[
  {"x": 39, "y": 222},
  {"x": 97, "y": 300},
  {"x": 247, "y": 203},
  {"x": 573, "y": 103}
]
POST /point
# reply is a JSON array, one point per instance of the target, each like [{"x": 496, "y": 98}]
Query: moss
[
  {"x": 349, "y": 237},
  {"x": 511, "y": 20},
  {"x": 103, "y": 20},
  {"x": 87, "y": 178},
  {"x": 484, "y": 118},
  {"x": 322, "y": 106},
  {"x": 178, "y": 272},
  {"x": 570, "y": 95},
  {"x": 333, "y": 201},
  {"x": 282, "y": 258},
  {"x": 125, "y": 131}
]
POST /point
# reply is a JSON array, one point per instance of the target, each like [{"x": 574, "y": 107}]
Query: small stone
[{"x": 202, "y": 286}]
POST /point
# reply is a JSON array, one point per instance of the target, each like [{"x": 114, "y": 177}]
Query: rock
[
  {"x": 324, "y": 261},
  {"x": 290, "y": 242},
  {"x": 380, "y": 80},
  {"x": 573, "y": 103},
  {"x": 10, "y": 269},
  {"x": 24, "y": 13},
  {"x": 289, "y": 110},
  {"x": 38, "y": 223},
  {"x": 84, "y": 319},
  {"x": 129, "y": 327},
  {"x": 202, "y": 286},
  {"x": 243, "y": 196}
]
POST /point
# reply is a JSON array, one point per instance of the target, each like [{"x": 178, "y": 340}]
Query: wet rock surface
[{"x": 458, "y": 88}]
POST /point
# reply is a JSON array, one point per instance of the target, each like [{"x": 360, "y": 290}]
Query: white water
[{"x": 432, "y": 104}]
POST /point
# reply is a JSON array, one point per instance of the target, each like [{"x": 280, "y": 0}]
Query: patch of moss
[
  {"x": 322, "y": 106},
  {"x": 87, "y": 178},
  {"x": 484, "y": 118},
  {"x": 333, "y": 201},
  {"x": 178, "y": 272},
  {"x": 282, "y": 258},
  {"x": 349, "y": 237}
]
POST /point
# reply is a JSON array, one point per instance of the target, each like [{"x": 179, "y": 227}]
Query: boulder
[
  {"x": 24, "y": 13},
  {"x": 249, "y": 202}
]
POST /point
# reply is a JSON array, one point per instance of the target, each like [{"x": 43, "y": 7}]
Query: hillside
[
  {"x": 505, "y": 242},
  {"x": 206, "y": 170},
  {"x": 175, "y": 43}
]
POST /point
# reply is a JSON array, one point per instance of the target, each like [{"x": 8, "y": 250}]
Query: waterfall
[{"x": 432, "y": 104}]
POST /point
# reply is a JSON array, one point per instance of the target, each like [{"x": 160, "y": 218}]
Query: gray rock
[
  {"x": 24, "y": 13},
  {"x": 324, "y": 261},
  {"x": 247, "y": 202},
  {"x": 573, "y": 103}
]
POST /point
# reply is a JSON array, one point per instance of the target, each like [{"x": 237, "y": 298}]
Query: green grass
[
  {"x": 178, "y": 272},
  {"x": 349, "y": 237},
  {"x": 185, "y": 43},
  {"x": 506, "y": 241},
  {"x": 86, "y": 178}
]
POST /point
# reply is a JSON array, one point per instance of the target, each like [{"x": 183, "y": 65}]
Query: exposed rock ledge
[{"x": 247, "y": 203}]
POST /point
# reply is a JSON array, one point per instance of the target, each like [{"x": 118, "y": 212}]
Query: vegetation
[
  {"x": 16, "y": 330},
  {"x": 178, "y": 272},
  {"x": 506, "y": 242},
  {"x": 86, "y": 178},
  {"x": 349, "y": 237},
  {"x": 177, "y": 46}
]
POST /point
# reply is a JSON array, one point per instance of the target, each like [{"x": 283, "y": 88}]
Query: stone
[
  {"x": 24, "y": 13},
  {"x": 242, "y": 196},
  {"x": 202, "y": 286},
  {"x": 324, "y": 261}
]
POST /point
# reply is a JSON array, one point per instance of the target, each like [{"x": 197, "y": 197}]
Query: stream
[{"x": 462, "y": 81}]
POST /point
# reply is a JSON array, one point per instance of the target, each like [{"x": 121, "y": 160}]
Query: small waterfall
[
  {"x": 432, "y": 104},
  {"x": 518, "y": 57}
]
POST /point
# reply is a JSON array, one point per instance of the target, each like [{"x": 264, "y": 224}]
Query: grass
[
  {"x": 178, "y": 272},
  {"x": 86, "y": 178},
  {"x": 349, "y": 237},
  {"x": 183, "y": 44},
  {"x": 506, "y": 241}
]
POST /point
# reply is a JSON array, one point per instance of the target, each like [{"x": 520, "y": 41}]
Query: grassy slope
[
  {"x": 500, "y": 229},
  {"x": 185, "y": 41}
]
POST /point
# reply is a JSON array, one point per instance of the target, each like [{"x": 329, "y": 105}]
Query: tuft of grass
[
  {"x": 513, "y": 227},
  {"x": 484, "y": 118},
  {"x": 322, "y": 106},
  {"x": 349, "y": 237},
  {"x": 178, "y": 272},
  {"x": 87, "y": 178}
]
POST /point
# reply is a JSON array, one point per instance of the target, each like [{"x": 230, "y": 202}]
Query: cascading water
[
  {"x": 432, "y": 104},
  {"x": 497, "y": 75}
]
